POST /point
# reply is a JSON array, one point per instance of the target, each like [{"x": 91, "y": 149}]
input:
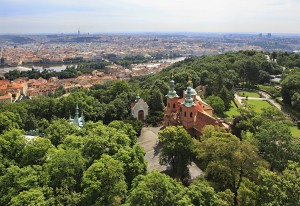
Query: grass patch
[
  {"x": 233, "y": 112},
  {"x": 244, "y": 93},
  {"x": 258, "y": 105},
  {"x": 295, "y": 131}
]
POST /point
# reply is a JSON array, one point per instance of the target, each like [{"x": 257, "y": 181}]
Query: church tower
[
  {"x": 187, "y": 110},
  {"x": 172, "y": 104}
]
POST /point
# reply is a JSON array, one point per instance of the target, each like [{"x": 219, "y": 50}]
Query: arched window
[
  {"x": 174, "y": 105},
  {"x": 184, "y": 114},
  {"x": 191, "y": 114}
]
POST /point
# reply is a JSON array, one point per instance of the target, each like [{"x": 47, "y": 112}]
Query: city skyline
[{"x": 260, "y": 16}]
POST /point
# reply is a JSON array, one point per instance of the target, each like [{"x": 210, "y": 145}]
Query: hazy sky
[{"x": 66, "y": 16}]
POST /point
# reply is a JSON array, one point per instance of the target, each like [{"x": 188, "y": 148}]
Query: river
[{"x": 59, "y": 68}]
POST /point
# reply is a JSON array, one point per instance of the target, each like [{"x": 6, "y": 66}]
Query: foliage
[
  {"x": 35, "y": 150},
  {"x": 227, "y": 160},
  {"x": 104, "y": 182},
  {"x": 100, "y": 139},
  {"x": 217, "y": 104},
  {"x": 279, "y": 189},
  {"x": 9, "y": 121},
  {"x": 126, "y": 128},
  {"x": 12, "y": 144},
  {"x": 94, "y": 165},
  {"x": 133, "y": 162},
  {"x": 201, "y": 193},
  {"x": 64, "y": 168},
  {"x": 275, "y": 143},
  {"x": 33, "y": 196},
  {"x": 16, "y": 180},
  {"x": 58, "y": 130},
  {"x": 176, "y": 150},
  {"x": 155, "y": 189},
  {"x": 290, "y": 86}
]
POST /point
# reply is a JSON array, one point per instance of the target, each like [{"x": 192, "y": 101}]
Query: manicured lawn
[
  {"x": 248, "y": 94},
  {"x": 258, "y": 105},
  {"x": 295, "y": 131},
  {"x": 233, "y": 112}
]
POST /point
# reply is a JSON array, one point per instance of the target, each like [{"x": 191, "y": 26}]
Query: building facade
[{"x": 139, "y": 109}]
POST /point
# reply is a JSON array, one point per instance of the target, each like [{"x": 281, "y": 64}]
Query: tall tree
[
  {"x": 16, "y": 180},
  {"x": 201, "y": 193},
  {"x": 33, "y": 196},
  {"x": 217, "y": 104},
  {"x": 35, "y": 150},
  {"x": 155, "y": 189},
  {"x": 58, "y": 130},
  {"x": 156, "y": 101},
  {"x": 104, "y": 182},
  {"x": 12, "y": 144},
  {"x": 9, "y": 120},
  {"x": 227, "y": 160},
  {"x": 64, "y": 168},
  {"x": 275, "y": 143},
  {"x": 133, "y": 161},
  {"x": 290, "y": 85},
  {"x": 176, "y": 150}
]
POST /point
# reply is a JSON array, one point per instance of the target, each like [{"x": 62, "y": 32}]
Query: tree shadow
[{"x": 157, "y": 148}]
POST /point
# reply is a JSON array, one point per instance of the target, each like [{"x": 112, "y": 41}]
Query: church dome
[{"x": 192, "y": 91}]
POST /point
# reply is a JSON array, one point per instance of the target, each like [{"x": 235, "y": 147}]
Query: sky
[{"x": 106, "y": 16}]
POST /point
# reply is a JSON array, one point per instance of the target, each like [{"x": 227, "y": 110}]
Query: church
[
  {"x": 78, "y": 120},
  {"x": 191, "y": 111}
]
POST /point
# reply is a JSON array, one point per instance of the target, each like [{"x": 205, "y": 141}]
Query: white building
[{"x": 139, "y": 109}]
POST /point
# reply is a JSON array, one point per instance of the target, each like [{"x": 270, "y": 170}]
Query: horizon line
[{"x": 149, "y": 32}]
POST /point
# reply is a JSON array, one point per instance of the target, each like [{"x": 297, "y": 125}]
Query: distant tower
[
  {"x": 269, "y": 35},
  {"x": 79, "y": 121},
  {"x": 79, "y": 31}
]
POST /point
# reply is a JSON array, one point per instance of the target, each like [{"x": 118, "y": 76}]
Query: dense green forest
[{"x": 255, "y": 163}]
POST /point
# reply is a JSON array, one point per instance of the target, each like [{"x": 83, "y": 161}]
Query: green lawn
[
  {"x": 258, "y": 105},
  {"x": 295, "y": 131},
  {"x": 248, "y": 94},
  {"x": 233, "y": 112}
]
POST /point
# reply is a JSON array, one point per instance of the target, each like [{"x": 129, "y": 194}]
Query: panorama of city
[{"x": 130, "y": 103}]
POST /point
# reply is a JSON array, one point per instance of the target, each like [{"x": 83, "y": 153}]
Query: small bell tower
[
  {"x": 172, "y": 104},
  {"x": 188, "y": 110}
]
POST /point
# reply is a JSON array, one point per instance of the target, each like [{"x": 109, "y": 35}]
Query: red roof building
[{"x": 191, "y": 111}]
